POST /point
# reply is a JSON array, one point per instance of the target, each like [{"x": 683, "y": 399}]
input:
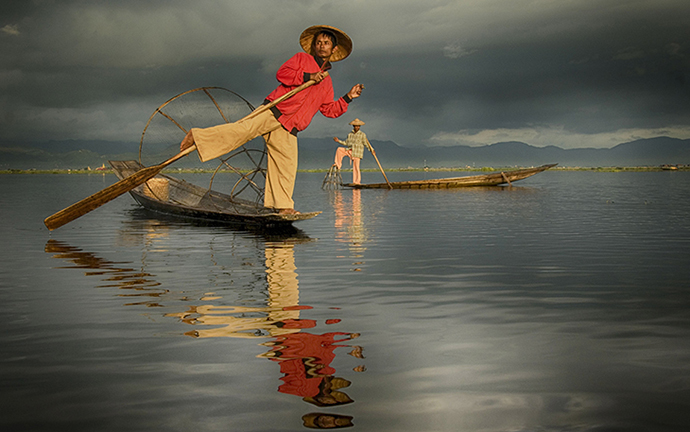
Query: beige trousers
[{"x": 281, "y": 172}]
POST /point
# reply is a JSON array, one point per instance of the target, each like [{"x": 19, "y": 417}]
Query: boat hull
[
  {"x": 174, "y": 197},
  {"x": 493, "y": 179}
]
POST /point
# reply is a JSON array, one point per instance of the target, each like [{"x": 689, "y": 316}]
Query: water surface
[{"x": 560, "y": 304}]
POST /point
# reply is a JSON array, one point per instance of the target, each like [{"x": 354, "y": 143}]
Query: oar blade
[{"x": 96, "y": 200}]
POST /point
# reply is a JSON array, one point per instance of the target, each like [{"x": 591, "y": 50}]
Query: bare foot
[
  {"x": 288, "y": 211},
  {"x": 187, "y": 142}
]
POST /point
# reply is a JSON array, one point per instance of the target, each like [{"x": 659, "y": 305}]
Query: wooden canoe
[
  {"x": 493, "y": 179},
  {"x": 171, "y": 196}
]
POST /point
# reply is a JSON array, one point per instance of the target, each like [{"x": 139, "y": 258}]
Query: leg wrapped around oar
[{"x": 333, "y": 179}]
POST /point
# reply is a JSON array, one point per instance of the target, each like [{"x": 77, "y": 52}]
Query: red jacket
[{"x": 296, "y": 113}]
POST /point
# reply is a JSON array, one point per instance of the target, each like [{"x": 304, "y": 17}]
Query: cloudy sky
[{"x": 570, "y": 73}]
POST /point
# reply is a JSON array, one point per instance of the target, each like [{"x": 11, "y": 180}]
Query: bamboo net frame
[{"x": 248, "y": 178}]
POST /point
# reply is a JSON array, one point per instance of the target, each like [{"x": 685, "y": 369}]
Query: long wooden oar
[
  {"x": 113, "y": 191},
  {"x": 380, "y": 167}
]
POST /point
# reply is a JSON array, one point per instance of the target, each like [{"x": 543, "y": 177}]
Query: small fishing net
[
  {"x": 333, "y": 179},
  {"x": 240, "y": 174}
]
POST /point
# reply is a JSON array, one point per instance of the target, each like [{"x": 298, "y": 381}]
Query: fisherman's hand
[
  {"x": 336, "y": 140},
  {"x": 318, "y": 77},
  {"x": 356, "y": 91},
  {"x": 187, "y": 142}
]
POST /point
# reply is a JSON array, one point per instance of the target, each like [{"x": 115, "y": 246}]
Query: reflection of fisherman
[
  {"x": 326, "y": 421},
  {"x": 349, "y": 224},
  {"x": 354, "y": 148},
  {"x": 305, "y": 360},
  {"x": 280, "y": 316}
]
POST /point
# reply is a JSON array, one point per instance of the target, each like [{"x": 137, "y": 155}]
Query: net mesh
[
  {"x": 333, "y": 180},
  {"x": 240, "y": 173}
]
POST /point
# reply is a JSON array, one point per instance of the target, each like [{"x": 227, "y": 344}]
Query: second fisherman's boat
[{"x": 492, "y": 179}]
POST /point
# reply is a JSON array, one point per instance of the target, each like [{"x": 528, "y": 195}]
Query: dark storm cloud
[
  {"x": 579, "y": 73},
  {"x": 609, "y": 71}
]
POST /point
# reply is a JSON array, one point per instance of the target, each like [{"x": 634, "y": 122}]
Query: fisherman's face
[
  {"x": 323, "y": 47},
  {"x": 355, "y": 128}
]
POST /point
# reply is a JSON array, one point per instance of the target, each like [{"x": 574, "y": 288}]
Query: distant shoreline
[{"x": 464, "y": 169}]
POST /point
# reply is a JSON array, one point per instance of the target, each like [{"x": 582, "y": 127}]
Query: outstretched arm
[
  {"x": 356, "y": 91},
  {"x": 339, "y": 107}
]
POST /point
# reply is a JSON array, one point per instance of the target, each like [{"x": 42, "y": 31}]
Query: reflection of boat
[
  {"x": 156, "y": 224},
  {"x": 171, "y": 196},
  {"x": 114, "y": 274},
  {"x": 307, "y": 360},
  {"x": 493, "y": 179}
]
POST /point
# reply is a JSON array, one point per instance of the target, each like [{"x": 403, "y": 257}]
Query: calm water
[{"x": 558, "y": 305}]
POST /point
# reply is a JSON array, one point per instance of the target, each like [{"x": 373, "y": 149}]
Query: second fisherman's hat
[
  {"x": 344, "y": 43},
  {"x": 357, "y": 122}
]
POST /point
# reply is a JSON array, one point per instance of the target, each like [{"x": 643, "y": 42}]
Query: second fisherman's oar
[
  {"x": 380, "y": 167},
  {"x": 140, "y": 177}
]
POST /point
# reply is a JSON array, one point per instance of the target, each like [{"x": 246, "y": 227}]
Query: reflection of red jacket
[
  {"x": 304, "y": 360},
  {"x": 296, "y": 112}
]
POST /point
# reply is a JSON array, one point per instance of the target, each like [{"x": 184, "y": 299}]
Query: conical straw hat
[
  {"x": 357, "y": 122},
  {"x": 344, "y": 41}
]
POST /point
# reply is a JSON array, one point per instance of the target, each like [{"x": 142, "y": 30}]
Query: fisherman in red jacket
[{"x": 279, "y": 125}]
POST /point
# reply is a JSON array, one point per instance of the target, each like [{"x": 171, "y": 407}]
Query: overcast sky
[{"x": 570, "y": 73}]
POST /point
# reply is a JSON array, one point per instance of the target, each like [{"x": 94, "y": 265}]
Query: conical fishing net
[
  {"x": 241, "y": 173},
  {"x": 333, "y": 180}
]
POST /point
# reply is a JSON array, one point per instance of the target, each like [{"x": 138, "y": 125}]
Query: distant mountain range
[{"x": 317, "y": 153}]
